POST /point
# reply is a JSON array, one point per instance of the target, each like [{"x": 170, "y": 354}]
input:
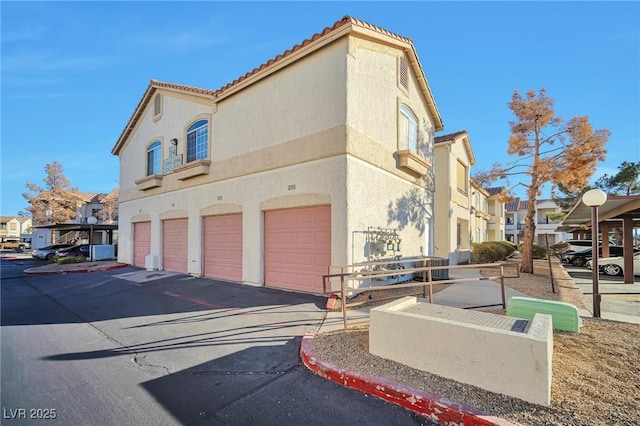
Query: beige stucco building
[
  {"x": 453, "y": 158},
  {"x": 14, "y": 226},
  {"x": 465, "y": 212},
  {"x": 546, "y": 227},
  {"x": 291, "y": 168}
]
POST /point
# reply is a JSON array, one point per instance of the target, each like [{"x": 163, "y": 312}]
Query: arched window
[
  {"x": 197, "y": 141},
  {"x": 154, "y": 158},
  {"x": 408, "y": 129}
]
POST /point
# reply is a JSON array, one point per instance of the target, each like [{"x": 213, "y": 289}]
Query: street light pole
[
  {"x": 92, "y": 221},
  {"x": 594, "y": 198}
]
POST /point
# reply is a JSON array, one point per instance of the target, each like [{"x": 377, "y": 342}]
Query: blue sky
[{"x": 73, "y": 72}]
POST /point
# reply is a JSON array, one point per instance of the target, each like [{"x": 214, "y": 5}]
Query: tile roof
[
  {"x": 20, "y": 219},
  {"x": 450, "y": 137},
  {"x": 96, "y": 197},
  {"x": 495, "y": 190},
  {"x": 512, "y": 206},
  {"x": 345, "y": 21}
]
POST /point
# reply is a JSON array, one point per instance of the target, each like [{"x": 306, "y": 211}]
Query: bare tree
[
  {"x": 550, "y": 150},
  {"x": 56, "y": 202}
]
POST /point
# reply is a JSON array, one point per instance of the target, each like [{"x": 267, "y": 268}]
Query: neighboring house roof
[
  {"x": 495, "y": 190},
  {"x": 113, "y": 194},
  {"x": 20, "y": 219},
  {"x": 345, "y": 26},
  {"x": 452, "y": 138},
  {"x": 476, "y": 185},
  {"x": 512, "y": 206},
  {"x": 97, "y": 197},
  {"x": 88, "y": 197}
]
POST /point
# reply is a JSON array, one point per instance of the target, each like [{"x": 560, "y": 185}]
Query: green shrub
[
  {"x": 559, "y": 249},
  {"x": 501, "y": 250},
  {"x": 510, "y": 247},
  {"x": 539, "y": 252},
  {"x": 72, "y": 259},
  {"x": 488, "y": 252}
]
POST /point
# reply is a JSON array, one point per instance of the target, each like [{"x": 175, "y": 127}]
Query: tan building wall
[
  {"x": 453, "y": 226},
  {"x": 322, "y": 130}
]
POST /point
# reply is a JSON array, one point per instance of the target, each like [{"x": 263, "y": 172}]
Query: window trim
[
  {"x": 156, "y": 146},
  {"x": 464, "y": 190},
  {"x": 194, "y": 128},
  {"x": 411, "y": 118},
  {"x": 409, "y": 158}
]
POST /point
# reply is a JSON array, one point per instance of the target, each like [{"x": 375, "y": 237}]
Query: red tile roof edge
[
  {"x": 153, "y": 84},
  {"x": 449, "y": 137}
]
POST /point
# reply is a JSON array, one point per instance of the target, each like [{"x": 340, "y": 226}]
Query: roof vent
[{"x": 404, "y": 73}]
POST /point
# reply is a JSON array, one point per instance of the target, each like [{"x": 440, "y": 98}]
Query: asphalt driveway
[{"x": 129, "y": 346}]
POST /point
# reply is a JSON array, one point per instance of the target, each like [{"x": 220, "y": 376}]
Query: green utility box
[{"x": 565, "y": 315}]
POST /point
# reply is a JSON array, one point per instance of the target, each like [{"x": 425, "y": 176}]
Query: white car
[{"x": 613, "y": 265}]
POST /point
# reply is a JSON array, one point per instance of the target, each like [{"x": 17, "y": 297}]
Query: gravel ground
[{"x": 596, "y": 373}]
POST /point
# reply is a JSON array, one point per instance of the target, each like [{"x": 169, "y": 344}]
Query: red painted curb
[
  {"x": 106, "y": 268},
  {"x": 436, "y": 408}
]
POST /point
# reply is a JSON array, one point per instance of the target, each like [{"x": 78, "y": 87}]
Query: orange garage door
[
  {"x": 222, "y": 245},
  {"x": 297, "y": 248},
  {"x": 141, "y": 242},
  {"x": 174, "y": 245}
]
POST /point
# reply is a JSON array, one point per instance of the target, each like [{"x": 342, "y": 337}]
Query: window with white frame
[
  {"x": 408, "y": 129},
  {"x": 462, "y": 177},
  {"x": 197, "y": 141},
  {"x": 154, "y": 160}
]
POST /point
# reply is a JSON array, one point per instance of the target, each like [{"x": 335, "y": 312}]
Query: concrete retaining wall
[{"x": 472, "y": 347}]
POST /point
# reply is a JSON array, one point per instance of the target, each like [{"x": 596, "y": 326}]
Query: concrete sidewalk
[
  {"x": 619, "y": 301},
  {"x": 467, "y": 294},
  {"x": 464, "y": 295},
  {"x": 481, "y": 292}
]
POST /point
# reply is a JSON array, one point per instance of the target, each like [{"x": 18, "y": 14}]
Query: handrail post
[
  {"x": 424, "y": 278},
  {"x": 344, "y": 301},
  {"x": 504, "y": 302},
  {"x": 430, "y": 285}
]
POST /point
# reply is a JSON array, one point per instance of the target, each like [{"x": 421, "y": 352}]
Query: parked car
[
  {"x": 48, "y": 252},
  {"x": 77, "y": 250},
  {"x": 614, "y": 265},
  {"x": 580, "y": 258},
  {"x": 14, "y": 243}
]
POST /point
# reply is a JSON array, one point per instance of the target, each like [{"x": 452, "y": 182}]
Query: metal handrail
[{"x": 426, "y": 283}]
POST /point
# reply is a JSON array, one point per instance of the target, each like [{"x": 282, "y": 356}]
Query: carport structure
[
  {"x": 617, "y": 211},
  {"x": 83, "y": 227}
]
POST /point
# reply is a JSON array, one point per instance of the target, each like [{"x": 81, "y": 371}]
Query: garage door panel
[
  {"x": 174, "y": 245},
  {"x": 297, "y": 248},
  {"x": 141, "y": 243},
  {"x": 222, "y": 247}
]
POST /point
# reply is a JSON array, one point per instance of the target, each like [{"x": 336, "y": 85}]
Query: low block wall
[{"x": 505, "y": 355}]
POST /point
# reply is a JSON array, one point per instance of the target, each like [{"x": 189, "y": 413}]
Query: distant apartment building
[
  {"x": 465, "y": 213},
  {"x": 14, "y": 226},
  {"x": 102, "y": 206},
  {"x": 516, "y": 212}
]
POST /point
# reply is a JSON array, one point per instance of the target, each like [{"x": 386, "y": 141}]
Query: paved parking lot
[
  {"x": 128, "y": 346},
  {"x": 620, "y": 301}
]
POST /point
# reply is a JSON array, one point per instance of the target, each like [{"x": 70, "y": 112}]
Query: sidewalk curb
[
  {"x": 434, "y": 407},
  {"x": 96, "y": 269}
]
